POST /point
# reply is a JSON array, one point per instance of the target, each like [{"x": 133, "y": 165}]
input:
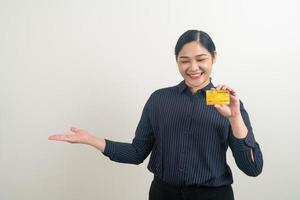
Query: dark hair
[{"x": 195, "y": 35}]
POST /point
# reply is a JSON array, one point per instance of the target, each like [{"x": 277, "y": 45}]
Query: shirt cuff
[
  {"x": 109, "y": 148},
  {"x": 242, "y": 144}
]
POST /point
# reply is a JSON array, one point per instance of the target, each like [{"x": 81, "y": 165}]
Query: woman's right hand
[{"x": 80, "y": 136}]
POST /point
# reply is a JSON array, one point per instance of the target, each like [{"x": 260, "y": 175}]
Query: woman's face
[{"x": 195, "y": 65}]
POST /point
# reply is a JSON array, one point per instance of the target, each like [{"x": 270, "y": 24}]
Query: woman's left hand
[{"x": 232, "y": 109}]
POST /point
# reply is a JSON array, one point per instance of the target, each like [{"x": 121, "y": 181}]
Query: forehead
[{"x": 192, "y": 49}]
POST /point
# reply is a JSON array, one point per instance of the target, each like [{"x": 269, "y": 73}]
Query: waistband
[{"x": 191, "y": 187}]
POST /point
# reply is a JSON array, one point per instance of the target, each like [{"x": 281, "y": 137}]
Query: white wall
[{"x": 93, "y": 64}]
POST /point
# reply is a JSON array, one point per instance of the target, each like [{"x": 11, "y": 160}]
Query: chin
[{"x": 196, "y": 83}]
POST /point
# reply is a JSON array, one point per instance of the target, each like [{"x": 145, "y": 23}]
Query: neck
[{"x": 194, "y": 89}]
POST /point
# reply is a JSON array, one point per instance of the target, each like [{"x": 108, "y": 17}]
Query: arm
[
  {"x": 245, "y": 149},
  {"x": 239, "y": 129},
  {"x": 134, "y": 153},
  {"x": 141, "y": 146}
]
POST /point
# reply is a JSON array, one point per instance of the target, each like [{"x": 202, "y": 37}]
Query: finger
[
  {"x": 234, "y": 98},
  {"x": 74, "y": 129},
  {"x": 217, "y": 106},
  {"x": 234, "y": 92},
  {"x": 60, "y": 137},
  {"x": 220, "y": 106},
  {"x": 55, "y": 137},
  {"x": 218, "y": 87},
  {"x": 224, "y": 87},
  {"x": 230, "y": 89}
]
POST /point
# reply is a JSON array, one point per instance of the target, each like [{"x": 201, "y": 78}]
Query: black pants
[{"x": 160, "y": 190}]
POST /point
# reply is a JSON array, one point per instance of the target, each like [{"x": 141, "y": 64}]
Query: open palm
[{"x": 76, "y": 136}]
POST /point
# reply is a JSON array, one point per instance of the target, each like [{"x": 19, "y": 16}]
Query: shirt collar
[{"x": 182, "y": 86}]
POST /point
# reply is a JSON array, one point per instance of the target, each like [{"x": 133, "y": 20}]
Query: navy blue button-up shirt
[{"x": 187, "y": 140}]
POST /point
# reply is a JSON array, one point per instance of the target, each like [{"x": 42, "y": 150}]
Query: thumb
[{"x": 217, "y": 106}]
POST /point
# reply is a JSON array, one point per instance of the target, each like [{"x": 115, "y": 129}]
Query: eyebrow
[{"x": 195, "y": 56}]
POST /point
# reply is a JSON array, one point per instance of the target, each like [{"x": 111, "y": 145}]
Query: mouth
[{"x": 195, "y": 76}]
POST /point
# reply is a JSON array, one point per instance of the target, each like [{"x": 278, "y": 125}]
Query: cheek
[
  {"x": 207, "y": 67},
  {"x": 182, "y": 68}
]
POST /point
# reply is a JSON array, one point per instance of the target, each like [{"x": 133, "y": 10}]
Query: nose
[{"x": 194, "y": 65}]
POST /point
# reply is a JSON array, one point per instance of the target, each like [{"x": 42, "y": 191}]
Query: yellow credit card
[{"x": 217, "y": 97}]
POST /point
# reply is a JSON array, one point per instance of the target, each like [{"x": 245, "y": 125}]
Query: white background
[{"x": 93, "y": 64}]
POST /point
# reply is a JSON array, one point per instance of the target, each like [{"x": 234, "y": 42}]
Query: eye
[
  {"x": 200, "y": 60},
  {"x": 184, "y": 61}
]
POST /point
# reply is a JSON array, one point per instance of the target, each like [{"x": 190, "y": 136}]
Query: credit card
[{"x": 217, "y": 97}]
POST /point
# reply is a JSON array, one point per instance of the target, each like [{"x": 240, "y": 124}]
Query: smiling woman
[{"x": 187, "y": 138}]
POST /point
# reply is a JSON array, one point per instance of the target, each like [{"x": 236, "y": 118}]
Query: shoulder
[
  {"x": 165, "y": 91},
  {"x": 163, "y": 94}
]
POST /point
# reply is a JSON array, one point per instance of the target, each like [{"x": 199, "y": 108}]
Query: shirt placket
[{"x": 184, "y": 147}]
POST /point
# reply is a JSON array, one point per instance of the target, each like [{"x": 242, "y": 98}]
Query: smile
[{"x": 195, "y": 76}]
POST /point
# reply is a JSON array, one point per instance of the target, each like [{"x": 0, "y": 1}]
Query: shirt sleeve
[
  {"x": 241, "y": 149},
  {"x": 140, "y": 147}
]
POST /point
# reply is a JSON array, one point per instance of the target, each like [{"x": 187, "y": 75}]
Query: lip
[{"x": 196, "y": 75}]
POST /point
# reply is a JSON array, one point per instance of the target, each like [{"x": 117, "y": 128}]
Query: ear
[{"x": 214, "y": 57}]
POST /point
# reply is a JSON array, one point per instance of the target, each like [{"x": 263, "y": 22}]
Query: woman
[{"x": 188, "y": 139}]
